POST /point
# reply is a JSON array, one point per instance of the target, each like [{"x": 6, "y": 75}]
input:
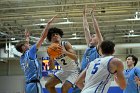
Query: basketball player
[
  {"x": 29, "y": 63},
  {"x": 67, "y": 61},
  {"x": 132, "y": 75},
  {"x": 98, "y": 73},
  {"x": 93, "y": 41}
]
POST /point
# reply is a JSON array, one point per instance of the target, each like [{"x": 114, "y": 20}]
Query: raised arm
[
  {"x": 27, "y": 35},
  {"x": 86, "y": 26},
  {"x": 44, "y": 33},
  {"x": 96, "y": 28}
]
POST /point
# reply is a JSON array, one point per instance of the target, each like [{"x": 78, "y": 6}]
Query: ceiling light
[
  {"x": 74, "y": 34},
  {"x": 136, "y": 17},
  {"x": 12, "y": 38},
  {"x": 73, "y": 38},
  {"x": 131, "y": 31},
  {"x": 132, "y": 19},
  {"x": 67, "y": 22},
  {"x": 131, "y": 35},
  {"x": 42, "y": 19},
  {"x": 65, "y": 18},
  {"x": 64, "y": 23},
  {"x": 40, "y": 24}
]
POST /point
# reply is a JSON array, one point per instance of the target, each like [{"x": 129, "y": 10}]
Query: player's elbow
[
  {"x": 76, "y": 58},
  {"x": 78, "y": 84}
]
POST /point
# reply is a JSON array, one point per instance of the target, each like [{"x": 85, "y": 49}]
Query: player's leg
[
  {"x": 33, "y": 88},
  {"x": 75, "y": 88},
  {"x": 70, "y": 81},
  {"x": 66, "y": 86},
  {"x": 51, "y": 83},
  {"x": 30, "y": 88},
  {"x": 40, "y": 89}
]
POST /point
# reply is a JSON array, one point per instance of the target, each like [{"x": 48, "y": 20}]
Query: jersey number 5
[{"x": 95, "y": 68}]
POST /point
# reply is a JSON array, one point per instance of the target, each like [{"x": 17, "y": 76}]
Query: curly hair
[
  {"x": 54, "y": 30},
  {"x": 134, "y": 58}
]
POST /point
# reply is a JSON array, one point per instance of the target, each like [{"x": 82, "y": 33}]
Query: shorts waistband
[{"x": 33, "y": 81}]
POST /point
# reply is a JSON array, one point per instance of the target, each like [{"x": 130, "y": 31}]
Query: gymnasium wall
[{"x": 11, "y": 84}]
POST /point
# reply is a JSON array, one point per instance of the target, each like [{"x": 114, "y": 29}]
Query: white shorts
[{"x": 70, "y": 75}]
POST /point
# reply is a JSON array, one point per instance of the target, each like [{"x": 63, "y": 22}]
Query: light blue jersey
[
  {"x": 90, "y": 55},
  {"x": 32, "y": 70},
  {"x": 130, "y": 79}
]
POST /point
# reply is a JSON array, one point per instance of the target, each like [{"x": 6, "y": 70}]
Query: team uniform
[
  {"x": 32, "y": 71},
  {"x": 130, "y": 74},
  {"x": 98, "y": 76},
  {"x": 69, "y": 67},
  {"x": 90, "y": 54}
]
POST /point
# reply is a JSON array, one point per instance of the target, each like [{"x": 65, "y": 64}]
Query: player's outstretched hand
[{"x": 137, "y": 80}]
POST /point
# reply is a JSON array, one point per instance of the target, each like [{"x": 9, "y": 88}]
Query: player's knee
[
  {"x": 66, "y": 86},
  {"x": 48, "y": 86},
  {"x": 64, "y": 89}
]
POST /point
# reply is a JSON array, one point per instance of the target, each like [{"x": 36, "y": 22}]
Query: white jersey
[
  {"x": 65, "y": 62},
  {"x": 98, "y": 77}
]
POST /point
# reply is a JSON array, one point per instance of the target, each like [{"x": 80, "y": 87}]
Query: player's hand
[
  {"x": 85, "y": 10},
  {"x": 137, "y": 80},
  {"x": 60, "y": 49},
  {"x": 27, "y": 34},
  {"x": 50, "y": 21},
  {"x": 92, "y": 12},
  {"x": 64, "y": 50}
]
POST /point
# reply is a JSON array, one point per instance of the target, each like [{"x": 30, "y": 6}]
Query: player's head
[
  {"x": 54, "y": 34},
  {"x": 22, "y": 46},
  {"x": 93, "y": 40},
  {"x": 131, "y": 60},
  {"x": 107, "y": 47}
]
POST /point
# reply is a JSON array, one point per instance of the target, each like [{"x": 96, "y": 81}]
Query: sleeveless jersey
[
  {"x": 98, "y": 77},
  {"x": 65, "y": 62}
]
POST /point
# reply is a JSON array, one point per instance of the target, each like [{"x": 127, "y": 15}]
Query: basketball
[{"x": 53, "y": 50}]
